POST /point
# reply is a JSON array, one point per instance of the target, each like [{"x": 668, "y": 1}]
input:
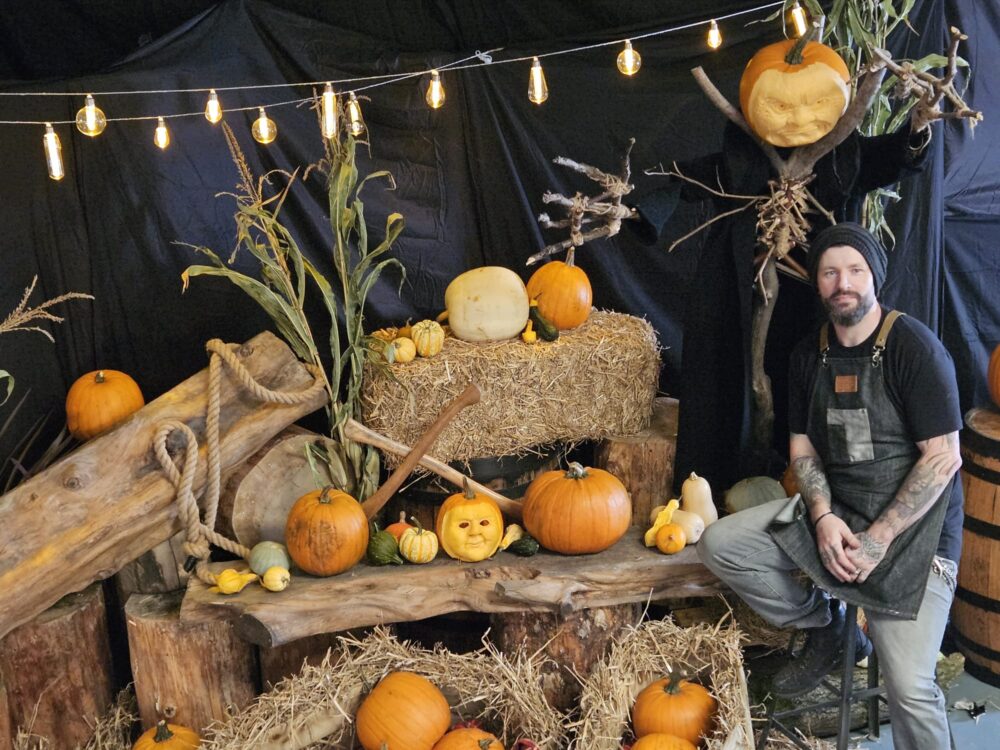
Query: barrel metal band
[
  {"x": 984, "y": 603},
  {"x": 984, "y": 445},
  {"x": 976, "y": 647},
  {"x": 982, "y": 673},
  {"x": 982, "y": 528},
  {"x": 975, "y": 470}
]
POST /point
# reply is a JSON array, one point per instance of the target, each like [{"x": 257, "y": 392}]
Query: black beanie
[{"x": 856, "y": 236}]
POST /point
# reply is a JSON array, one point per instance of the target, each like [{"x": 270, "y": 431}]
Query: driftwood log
[
  {"x": 644, "y": 462},
  {"x": 627, "y": 573},
  {"x": 190, "y": 673},
  {"x": 57, "y": 672},
  {"x": 109, "y": 501}
]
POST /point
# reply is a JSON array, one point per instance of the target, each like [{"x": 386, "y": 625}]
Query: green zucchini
[
  {"x": 523, "y": 547},
  {"x": 546, "y": 330}
]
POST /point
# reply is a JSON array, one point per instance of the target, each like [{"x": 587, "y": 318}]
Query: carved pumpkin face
[
  {"x": 792, "y": 102},
  {"x": 470, "y": 526}
]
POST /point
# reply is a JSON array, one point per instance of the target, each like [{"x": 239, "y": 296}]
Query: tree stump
[
  {"x": 155, "y": 572},
  {"x": 58, "y": 664},
  {"x": 644, "y": 462},
  {"x": 575, "y": 643},
  {"x": 190, "y": 672},
  {"x": 278, "y": 662}
]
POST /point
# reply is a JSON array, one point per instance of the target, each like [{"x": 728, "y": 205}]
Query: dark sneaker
[{"x": 823, "y": 652}]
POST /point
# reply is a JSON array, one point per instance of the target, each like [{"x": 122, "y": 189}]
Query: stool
[{"x": 845, "y": 695}]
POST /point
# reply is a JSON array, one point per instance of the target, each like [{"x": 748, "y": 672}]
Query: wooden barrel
[{"x": 976, "y": 611}]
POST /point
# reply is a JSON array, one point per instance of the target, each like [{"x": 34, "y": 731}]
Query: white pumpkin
[{"x": 489, "y": 303}]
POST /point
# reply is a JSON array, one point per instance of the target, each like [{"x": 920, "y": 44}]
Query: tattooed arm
[
  {"x": 923, "y": 486},
  {"x": 833, "y": 537}
]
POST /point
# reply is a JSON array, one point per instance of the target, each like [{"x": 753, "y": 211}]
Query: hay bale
[
  {"x": 502, "y": 691},
  {"x": 596, "y": 381},
  {"x": 709, "y": 653}
]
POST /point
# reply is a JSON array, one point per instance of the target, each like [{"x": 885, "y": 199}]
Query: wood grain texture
[
  {"x": 193, "y": 673},
  {"x": 59, "y": 664},
  {"x": 365, "y": 595},
  {"x": 109, "y": 501}
]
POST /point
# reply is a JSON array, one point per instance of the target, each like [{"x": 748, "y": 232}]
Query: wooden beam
[
  {"x": 365, "y": 595},
  {"x": 109, "y": 501}
]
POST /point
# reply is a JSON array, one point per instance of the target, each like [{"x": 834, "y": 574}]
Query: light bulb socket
[{"x": 213, "y": 109}]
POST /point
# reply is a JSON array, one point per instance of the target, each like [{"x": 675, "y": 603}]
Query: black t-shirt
[{"x": 920, "y": 381}]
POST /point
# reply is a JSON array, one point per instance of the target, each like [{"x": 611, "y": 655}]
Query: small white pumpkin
[
  {"x": 266, "y": 555},
  {"x": 489, "y": 303}
]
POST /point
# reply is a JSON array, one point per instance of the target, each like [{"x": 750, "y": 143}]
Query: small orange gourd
[
  {"x": 674, "y": 705},
  {"x": 405, "y": 711},
  {"x": 671, "y": 538},
  {"x": 397, "y": 528},
  {"x": 326, "y": 532},
  {"x": 100, "y": 400},
  {"x": 468, "y": 738},
  {"x": 563, "y": 292},
  {"x": 166, "y": 736},
  {"x": 660, "y": 741}
]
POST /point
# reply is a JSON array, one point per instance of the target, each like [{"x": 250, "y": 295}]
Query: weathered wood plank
[
  {"x": 109, "y": 501},
  {"x": 365, "y": 595}
]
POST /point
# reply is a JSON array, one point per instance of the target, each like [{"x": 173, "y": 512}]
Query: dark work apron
[{"x": 866, "y": 452}]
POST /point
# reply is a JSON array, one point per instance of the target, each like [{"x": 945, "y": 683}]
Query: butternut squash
[
  {"x": 696, "y": 497},
  {"x": 692, "y": 523}
]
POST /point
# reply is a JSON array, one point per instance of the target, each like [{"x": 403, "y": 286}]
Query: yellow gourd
[
  {"x": 513, "y": 533},
  {"x": 403, "y": 351},
  {"x": 417, "y": 544},
  {"x": 696, "y": 497},
  {"x": 428, "y": 335},
  {"x": 692, "y": 523},
  {"x": 276, "y": 578},
  {"x": 231, "y": 581},
  {"x": 528, "y": 336},
  {"x": 662, "y": 519}
]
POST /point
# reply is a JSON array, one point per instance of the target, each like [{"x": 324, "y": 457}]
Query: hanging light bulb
[
  {"x": 354, "y": 115},
  {"x": 53, "y": 153},
  {"x": 213, "y": 110},
  {"x": 714, "y": 35},
  {"x": 435, "y": 91},
  {"x": 629, "y": 60},
  {"x": 538, "y": 89},
  {"x": 328, "y": 114},
  {"x": 799, "y": 19},
  {"x": 90, "y": 120},
  {"x": 264, "y": 130},
  {"x": 162, "y": 136}
]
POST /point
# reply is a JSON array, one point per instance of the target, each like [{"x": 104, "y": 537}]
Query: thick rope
[{"x": 199, "y": 535}]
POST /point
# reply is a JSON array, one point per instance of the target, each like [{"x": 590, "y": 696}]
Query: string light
[
  {"x": 799, "y": 19},
  {"x": 435, "y": 91},
  {"x": 90, "y": 120},
  {"x": 264, "y": 130},
  {"x": 538, "y": 89},
  {"x": 714, "y": 35},
  {"x": 213, "y": 109},
  {"x": 328, "y": 113},
  {"x": 53, "y": 153},
  {"x": 629, "y": 60},
  {"x": 161, "y": 137},
  {"x": 357, "y": 122}
]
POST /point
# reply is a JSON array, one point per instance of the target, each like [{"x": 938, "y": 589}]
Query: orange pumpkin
[
  {"x": 676, "y": 706},
  {"x": 469, "y": 526},
  {"x": 405, "y": 711},
  {"x": 660, "y": 741},
  {"x": 789, "y": 482},
  {"x": 793, "y": 92},
  {"x": 563, "y": 293},
  {"x": 577, "y": 511},
  {"x": 397, "y": 528},
  {"x": 671, "y": 538},
  {"x": 166, "y": 736},
  {"x": 326, "y": 532},
  {"x": 468, "y": 738},
  {"x": 100, "y": 400},
  {"x": 993, "y": 376}
]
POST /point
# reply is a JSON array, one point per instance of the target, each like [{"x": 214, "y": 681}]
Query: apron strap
[{"x": 880, "y": 340}]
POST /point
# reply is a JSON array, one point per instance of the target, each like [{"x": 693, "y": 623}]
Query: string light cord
[{"x": 484, "y": 59}]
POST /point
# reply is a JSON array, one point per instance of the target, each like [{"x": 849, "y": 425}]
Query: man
[{"x": 874, "y": 417}]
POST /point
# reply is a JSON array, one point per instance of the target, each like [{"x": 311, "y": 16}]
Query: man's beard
[{"x": 852, "y": 316}]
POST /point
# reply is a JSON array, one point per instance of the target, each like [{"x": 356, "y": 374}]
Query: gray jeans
[{"x": 740, "y": 551}]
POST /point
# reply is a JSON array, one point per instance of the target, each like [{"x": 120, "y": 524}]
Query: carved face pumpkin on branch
[{"x": 793, "y": 95}]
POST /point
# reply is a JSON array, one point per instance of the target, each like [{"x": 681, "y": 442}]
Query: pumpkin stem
[
  {"x": 416, "y": 522},
  {"x": 673, "y": 684},
  {"x": 576, "y": 471},
  {"x": 99, "y": 377},
  {"x": 469, "y": 493},
  {"x": 484, "y": 744},
  {"x": 324, "y": 496},
  {"x": 163, "y": 732},
  {"x": 569, "y": 255},
  {"x": 794, "y": 56}
]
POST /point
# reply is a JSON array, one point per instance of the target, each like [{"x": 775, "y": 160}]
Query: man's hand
[
  {"x": 866, "y": 557},
  {"x": 835, "y": 541}
]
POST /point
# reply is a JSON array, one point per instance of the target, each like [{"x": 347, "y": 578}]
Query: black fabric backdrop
[{"x": 469, "y": 176}]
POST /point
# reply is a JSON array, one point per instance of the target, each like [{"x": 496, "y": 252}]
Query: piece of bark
[
  {"x": 644, "y": 462},
  {"x": 109, "y": 501},
  {"x": 56, "y": 670},
  {"x": 190, "y": 672},
  {"x": 574, "y": 642},
  {"x": 628, "y": 572}
]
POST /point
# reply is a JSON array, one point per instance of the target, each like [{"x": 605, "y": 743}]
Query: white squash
[
  {"x": 696, "y": 497},
  {"x": 692, "y": 523},
  {"x": 487, "y": 304}
]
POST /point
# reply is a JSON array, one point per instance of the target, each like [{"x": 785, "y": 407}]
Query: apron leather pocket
[{"x": 849, "y": 435}]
